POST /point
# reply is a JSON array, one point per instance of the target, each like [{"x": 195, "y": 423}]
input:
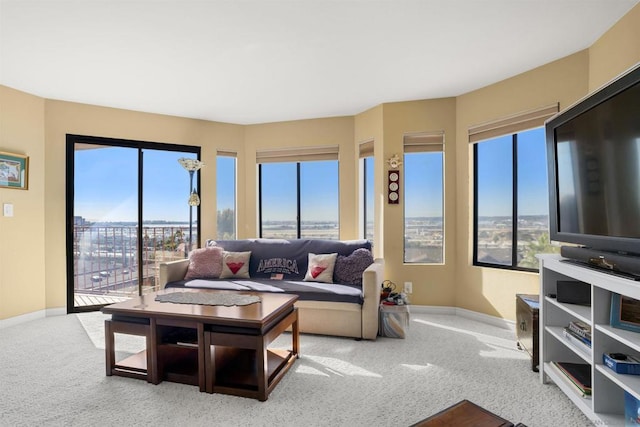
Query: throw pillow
[
  {"x": 235, "y": 265},
  {"x": 349, "y": 269},
  {"x": 320, "y": 268},
  {"x": 204, "y": 263}
]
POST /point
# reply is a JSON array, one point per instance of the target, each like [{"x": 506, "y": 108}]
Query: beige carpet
[{"x": 52, "y": 373}]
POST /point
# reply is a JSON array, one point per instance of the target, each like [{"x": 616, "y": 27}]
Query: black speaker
[
  {"x": 572, "y": 292},
  {"x": 602, "y": 259}
]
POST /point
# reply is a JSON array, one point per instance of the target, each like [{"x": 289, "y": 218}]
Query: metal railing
[{"x": 105, "y": 257}]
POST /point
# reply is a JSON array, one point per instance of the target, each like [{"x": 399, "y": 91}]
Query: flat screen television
[{"x": 593, "y": 151}]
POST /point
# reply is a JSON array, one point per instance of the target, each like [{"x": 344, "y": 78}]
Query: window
[
  {"x": 511, "y": 209},
  {"x": 366, "y": 190},
  {"x": 226, "y": 195},
  {"x": 424, "y": 198},
  {"x": 367, "y": 197},
  {"x": 298, "y": 193},
  {"x": 122, "y": 225}
]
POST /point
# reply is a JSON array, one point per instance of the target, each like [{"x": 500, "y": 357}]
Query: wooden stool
[{"x": 142, "y": 365}]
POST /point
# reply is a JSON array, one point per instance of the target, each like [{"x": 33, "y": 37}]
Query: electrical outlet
[{"x": 408, "y": 287}]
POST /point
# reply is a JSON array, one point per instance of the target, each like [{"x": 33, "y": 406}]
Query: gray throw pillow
[{"x": 348, "y": 269}]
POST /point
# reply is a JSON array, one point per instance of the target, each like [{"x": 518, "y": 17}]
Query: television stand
[
  {"x": 629, "y": 276},
  {"x": 606, "y": 404}
]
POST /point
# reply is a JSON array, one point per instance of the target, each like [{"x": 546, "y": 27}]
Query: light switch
[{"x": 7, "y": 208}]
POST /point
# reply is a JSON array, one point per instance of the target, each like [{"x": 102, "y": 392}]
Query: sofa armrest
[
  {"x": 172, "y": 271},
  {"x": 371, "y": 281}
]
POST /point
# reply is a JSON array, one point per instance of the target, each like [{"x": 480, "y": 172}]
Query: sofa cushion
[
  {"x": 235, "y": 265},
  {"x": 306, "y": 291},
  {"x": 288, "y": 258},
  {"x": 204, "y": 263},
  {"x": 320, "y": 268},
  {"x": 349, "y": 269}
]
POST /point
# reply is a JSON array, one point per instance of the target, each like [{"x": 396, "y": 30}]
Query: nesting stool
[{"x": 142, "y": 365}]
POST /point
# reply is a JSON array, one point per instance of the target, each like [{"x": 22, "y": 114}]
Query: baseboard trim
[
  {"x": 463, "y": 312},
  {"x": 35, "y": 315},
  {"x": 428, "y": 309}
]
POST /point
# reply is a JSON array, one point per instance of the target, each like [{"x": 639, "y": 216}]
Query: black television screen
[{"x": 593, "y": 150}]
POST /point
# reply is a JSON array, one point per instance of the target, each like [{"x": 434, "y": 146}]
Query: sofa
[{"x": 338, "y": 282}]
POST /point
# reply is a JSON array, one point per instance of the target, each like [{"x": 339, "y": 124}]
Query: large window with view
[
  {"x": 511, "y": 209},
  {"x": 299, "y": 199},
  {"x": 226, "y": 195},
  {"x": 122, "y": 225},
  {"x": 424, "y": 198}
]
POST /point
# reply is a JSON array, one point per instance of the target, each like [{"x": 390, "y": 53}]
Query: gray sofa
[{"x": 346, "y": 309}]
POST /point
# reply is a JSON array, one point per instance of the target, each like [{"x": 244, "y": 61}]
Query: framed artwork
[
  {"x": 625, "y": 313},
  {"x": 14, "y": 171}
]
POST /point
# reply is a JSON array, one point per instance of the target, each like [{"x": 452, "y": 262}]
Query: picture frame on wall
[
  {"x": 14, "y": 171},
  {"x": 625, "y": 313}
]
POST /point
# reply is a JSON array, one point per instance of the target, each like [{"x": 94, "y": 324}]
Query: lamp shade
[{"x": 191, "y": 165}]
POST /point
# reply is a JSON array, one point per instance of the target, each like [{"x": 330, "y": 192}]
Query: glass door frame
[{"x": 71, "y": 141}]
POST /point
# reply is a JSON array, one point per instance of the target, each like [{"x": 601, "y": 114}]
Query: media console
[{"x": 605, "y": 405}]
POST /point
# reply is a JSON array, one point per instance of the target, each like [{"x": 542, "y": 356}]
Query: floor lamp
[{"x": 191, "y": 165}]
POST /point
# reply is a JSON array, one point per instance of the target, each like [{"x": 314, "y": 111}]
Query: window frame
[
  {"x": 233, "y": 155},
  {"x": 298, "y": 198},
  {"x": 364, "y": 188},
  {"x": 428, "y": 142},
  {"x": 514, "y": 206}
]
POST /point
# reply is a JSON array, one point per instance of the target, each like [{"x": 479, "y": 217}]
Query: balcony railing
[{"x": 105, "y": 258}]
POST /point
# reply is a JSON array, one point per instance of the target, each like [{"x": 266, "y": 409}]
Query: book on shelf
[
  {"x": 579, "y": 374},
  {"x": 580, "y": 328},
  {"x": 577, "y": 340}
]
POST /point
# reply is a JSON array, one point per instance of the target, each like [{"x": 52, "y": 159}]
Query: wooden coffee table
[
  {"x": 464, "y": 414},
  {"x": 221, "y": 349}
]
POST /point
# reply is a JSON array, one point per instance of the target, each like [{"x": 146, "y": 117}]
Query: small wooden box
[{"x": 527, "y": 307}]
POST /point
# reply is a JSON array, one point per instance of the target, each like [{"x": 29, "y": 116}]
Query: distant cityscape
[{"x": 106, "y": 253}]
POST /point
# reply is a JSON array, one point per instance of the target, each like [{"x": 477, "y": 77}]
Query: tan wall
[
  {"x": 616, "y": 51},
  {"x": 489, "y": 290},
  {"x": 22, "y": 242},
  {"x": 64, "y": 118},
  {"x": 303, "y": 133},
  {"x": 369, "y": 127},
  {"x": 432, "y": 284}
]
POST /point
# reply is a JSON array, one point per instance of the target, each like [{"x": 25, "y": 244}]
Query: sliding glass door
[{"x": 127, "y": 211}]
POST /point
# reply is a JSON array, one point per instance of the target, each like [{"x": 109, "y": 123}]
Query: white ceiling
[{"x": 255, "y": 61}]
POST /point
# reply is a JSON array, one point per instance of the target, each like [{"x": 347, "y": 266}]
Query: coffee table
[
  {"x": 221, "y": 349},
  {"x": 464, "y": 414}
]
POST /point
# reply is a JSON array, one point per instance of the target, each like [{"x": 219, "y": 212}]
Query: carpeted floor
[{"x": 52, "y": 373}]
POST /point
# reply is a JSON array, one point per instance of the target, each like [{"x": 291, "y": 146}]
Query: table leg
[
  {"x": 209, "y": 363},
  {"x": 109, "y": 350},
  {"x": 202, "y": 380},
  {"x": 262, "y": 368},
  {"x": 295, "y": 332},
  {"x": 152, "y": 353}
]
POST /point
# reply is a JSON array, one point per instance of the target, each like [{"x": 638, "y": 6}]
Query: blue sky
[
  {"x": 495, "y": 172},
  {"x": 106, "y": 184}
]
